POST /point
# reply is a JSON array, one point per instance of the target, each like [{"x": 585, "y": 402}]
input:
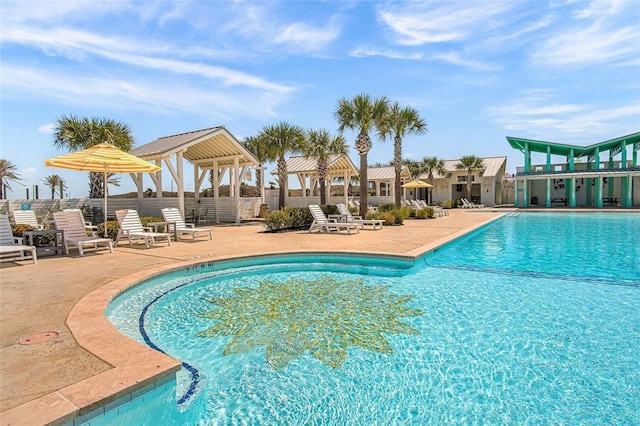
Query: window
[{"x": 463, "y": 178}]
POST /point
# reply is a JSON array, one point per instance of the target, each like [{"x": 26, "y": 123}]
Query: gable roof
[
  {"x": 199, "y": 146},
  {"x": 336, "y": 165},
  {"x": 492, "y": 166},
  {"x": 386, "y": 173}
]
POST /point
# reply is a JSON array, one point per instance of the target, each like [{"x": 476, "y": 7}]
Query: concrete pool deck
[{"x": 89, "y": 363}]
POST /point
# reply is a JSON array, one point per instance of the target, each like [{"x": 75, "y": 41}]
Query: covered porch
[
  {"x": 213, "y": 152},
  {"x": 607, "y": 177}
]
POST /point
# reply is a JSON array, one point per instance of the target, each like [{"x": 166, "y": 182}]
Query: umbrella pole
[{"x": 104, "y": 195}]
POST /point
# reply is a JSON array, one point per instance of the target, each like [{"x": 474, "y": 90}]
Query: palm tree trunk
[
  {"x": 397, "y": 164},
  {"x": 322, "y": 177},
  {"x": 282, "y": 177},
  {"x": 364, "y": 194},
  {"x": 469, "y": 183},
  {"x": 363, "y": 145},
  {"x": 96, "y": 189}
]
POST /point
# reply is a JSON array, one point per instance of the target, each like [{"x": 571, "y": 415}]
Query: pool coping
[{"x": 135, "y": 365}]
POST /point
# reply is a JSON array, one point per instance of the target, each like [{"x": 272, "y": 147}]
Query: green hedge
[{"x": 291, "y": 218}]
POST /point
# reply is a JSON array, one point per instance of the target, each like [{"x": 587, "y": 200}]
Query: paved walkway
[{"x": 38, "y": 298}]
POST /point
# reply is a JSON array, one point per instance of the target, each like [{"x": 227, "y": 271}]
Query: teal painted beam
[
  {"x": 598, "y": 196},
  {"x": 547, "y": 198}
]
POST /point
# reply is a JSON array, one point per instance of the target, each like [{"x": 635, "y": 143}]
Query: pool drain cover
[{"x": 38, "y": 338}]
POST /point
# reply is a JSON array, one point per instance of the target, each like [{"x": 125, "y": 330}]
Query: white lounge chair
[
  {"x": 130, "y": 227},
  {"x": 75, "y": 233},
  {"x": 26, "y": 217},
  {"x": 87, "y": 225},
  {"x": 172, "y": 215},
  {"x": 321, "y": 222},
  {"x": 466, "y": 204},
  {"x": 374, "y": 223},
  {"x": 11, "y": 248}
]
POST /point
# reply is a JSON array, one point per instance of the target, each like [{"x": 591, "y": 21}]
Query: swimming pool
[{"x": 532, "y": 319}]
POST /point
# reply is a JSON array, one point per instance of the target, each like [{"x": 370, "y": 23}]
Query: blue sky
[{"x": 477, "y": 71}]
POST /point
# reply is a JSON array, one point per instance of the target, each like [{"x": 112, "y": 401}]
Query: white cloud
[
  {"x": 159, "y": 95},
  {"x": 539, "y": 117},
  {"x": 48, "y": 128},
  {"x": 601, "y": 32},
  {"x": 29, "y": 173},
  {"x": 445, "y": 21}
]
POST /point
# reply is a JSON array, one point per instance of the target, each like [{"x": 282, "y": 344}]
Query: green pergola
[{"x": 592, "y": 169}]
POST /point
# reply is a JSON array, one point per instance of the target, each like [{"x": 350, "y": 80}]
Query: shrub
[
  {"x": 327, "y": 210},
  {"x": 446, "y": 204},
  {"x": 288, "y": 218},
  {"x": 112, "y": 229},
  {"x": 277, "y": 220},
  {"x": 386, "y": 207},
  {"x": 422, "y": 214},
  {"x": 148, "y": 219},
  {"x": 400, "y": 215},
  {"x": 18, "y": 228},
  {"x": 388, "y": 217}
]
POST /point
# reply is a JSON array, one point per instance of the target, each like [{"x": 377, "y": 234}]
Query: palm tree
[
  {"x": 397, "y": 122},
  {"x": 259, "y": 150},
  {"x": 321, "y": 145},
  {"x": 74, "y": 133},
  {"x": 431, "y": 165},
  {"x": 7, "y": 174},
  {"x": 470, "y": 163},
  {"x": 55, "y": 182},
  {"x": 413, "y": 166},
  {"x": 112, "y": 180},
  {"x": 279, "y": 140},
  {"x": 363, "y": 114}
]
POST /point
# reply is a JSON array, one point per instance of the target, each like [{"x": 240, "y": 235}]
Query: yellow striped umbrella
[
  {"x": 417, "y": 183},
  {"x": 104, "y": 158}
]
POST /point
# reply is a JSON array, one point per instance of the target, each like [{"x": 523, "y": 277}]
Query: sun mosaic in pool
[{"x": 324, "y": 316}]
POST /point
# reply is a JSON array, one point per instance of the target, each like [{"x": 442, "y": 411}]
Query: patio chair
[
  {"x": 172, "y": 215},
  {"x": 321, "y": 222},
  {"x": 466, "y": 204},
  {"x": 374, "y": 223},
  {"x": 75, "y": 233},
  {"x": 130, "y": 227},
  {"x": 87, "y": 224},
  {"x": 27, "y": 217},
  {"x": 11, "y": 248}
]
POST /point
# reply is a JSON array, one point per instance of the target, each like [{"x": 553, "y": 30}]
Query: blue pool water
[{"x": 534, "y": 319}]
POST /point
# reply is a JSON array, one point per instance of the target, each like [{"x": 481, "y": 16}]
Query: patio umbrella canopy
[
  {"x": 104, "y": 158},
  {"x": 417, "y": 183}
]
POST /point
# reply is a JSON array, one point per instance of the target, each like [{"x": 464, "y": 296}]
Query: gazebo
[
  {"x": 305, "y": 169},
  {"x": 213, "y": 149}
]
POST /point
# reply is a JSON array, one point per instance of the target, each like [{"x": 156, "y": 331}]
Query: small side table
[
  {"x": 57, "y": 245},
  {"x": 169, "y": 226}
]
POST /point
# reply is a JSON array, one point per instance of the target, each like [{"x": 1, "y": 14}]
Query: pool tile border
[{"x": 135, "y": 365}]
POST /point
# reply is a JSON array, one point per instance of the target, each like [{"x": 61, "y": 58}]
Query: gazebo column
[
  {"x": 236, "y": 189},
  {"x": 347, "y": 178},
  {"x": 159, "y": 179},
  {"x": 216, "y": 189},
  {"x": 137, "y": 180}
]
